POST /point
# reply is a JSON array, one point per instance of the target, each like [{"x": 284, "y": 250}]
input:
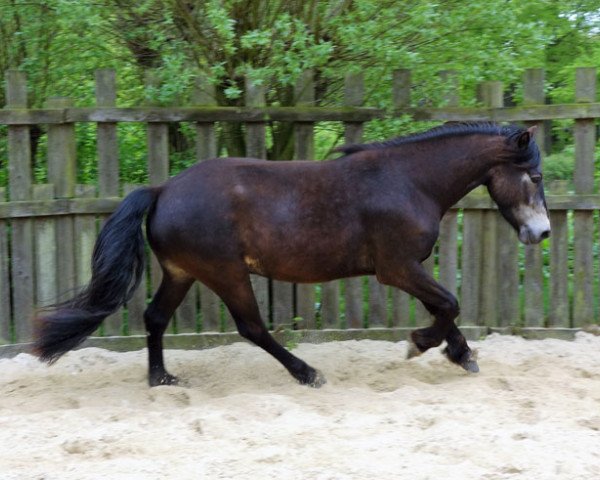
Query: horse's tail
[{"x": 117, "y": 267}]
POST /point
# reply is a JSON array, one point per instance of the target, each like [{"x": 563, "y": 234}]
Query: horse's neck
[{"x": 449, "y": 178}]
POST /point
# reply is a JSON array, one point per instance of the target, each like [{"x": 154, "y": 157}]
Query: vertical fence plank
[
  {"x": 304, "y": 143},
  {"x": 559, "y": 270},
  {"x": 400, "y": 300},
  {"x": 45, "y": 251},
  {"x": 508, "y": 276},
  {"x": 107, "y": 142},
  {"x": 107, "y": 146},
  {"x": 85, "y": 238},
  {"x": 256, "y": 147},
  {"x": 533, "y": 93},
  {"x": 157, "y": 138},
  {"x": 470, "y": 267},
  {"x": 5, "y": 330},
  {"x": 206, "y": 147},
  {"x": 585, "y": 141},
  {"x": 448, "y": 239},
  {"x": 506, "y": 257},
  {"x": 206, "y": 139},
  {"x": 62, "y": 174},
  {"x": 353, "y": 287},
  {"x": 448, "y": 251},
  {"x": 19, "y": 172},
  {"x": 488, "y": 310},
  {"x": 158, "y": 172}
]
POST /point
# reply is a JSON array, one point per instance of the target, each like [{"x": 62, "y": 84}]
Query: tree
[{"x": 159, "y": 46}]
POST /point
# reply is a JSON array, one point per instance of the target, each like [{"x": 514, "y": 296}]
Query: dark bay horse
[{"x": 375, "y": 210}]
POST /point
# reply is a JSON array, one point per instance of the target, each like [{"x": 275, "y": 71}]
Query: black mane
[{"x": 445, "y": 130}]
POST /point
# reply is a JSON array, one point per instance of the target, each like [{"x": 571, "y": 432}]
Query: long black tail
[{"x": 117, "y": 267}]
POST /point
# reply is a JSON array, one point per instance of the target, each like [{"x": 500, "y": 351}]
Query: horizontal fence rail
[
  {"x": 90, "y": 206},
  {"x": 47, "y": 231},
  {"x": 531, "y": 113}
]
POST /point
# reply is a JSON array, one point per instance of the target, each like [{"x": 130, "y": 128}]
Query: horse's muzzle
[{"x": 530, "y": 235}]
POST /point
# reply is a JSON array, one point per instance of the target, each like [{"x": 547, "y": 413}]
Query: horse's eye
[{"x": 535, "y": 177}]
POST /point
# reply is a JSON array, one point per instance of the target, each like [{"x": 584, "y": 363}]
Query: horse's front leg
[{"x": 415, "y": 280}]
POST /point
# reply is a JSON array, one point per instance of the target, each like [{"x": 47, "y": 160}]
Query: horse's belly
[{"x": 310, "y": 265}]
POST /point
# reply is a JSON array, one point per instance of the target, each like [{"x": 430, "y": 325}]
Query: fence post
[
  {"x": 107, "y": 146},
  {"x": 46, "y": 259},
  {"x": 488, "y": 298},
  {"x": 559, "y": 267},
  {"x": 204, "y": 94},
  {"x": 107, "y": 143},
  {"x": 533, "y": 94},
  {"x": 401, "y": 86},
  {"x": 157, "y": 137},
  {"x": 19, "y": 171},
  {"x": 507, "y": 259},
  {"x": 5, "y": 333},
  {"x": 256, "y": 147},
  {"x": 353, "y": 287},
  {"x": 62, "y": 173},
  {"x": 448, "y": 244},
  {"x": 558, "y": 316},
  {"x": 206, "y": 147},
  {"x": 304, "y": 149},
  {"x": 472, "y": 245},
  {"x": 85, "y": 238},
  {"x": 585, "y": 141}
]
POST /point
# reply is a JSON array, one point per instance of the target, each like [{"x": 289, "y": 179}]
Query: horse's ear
[
  {"x": 525, "y": 137},
  {"x": 532, "y": 130}
]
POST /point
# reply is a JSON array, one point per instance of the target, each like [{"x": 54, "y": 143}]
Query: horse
[{"x": 375, "y": 210}]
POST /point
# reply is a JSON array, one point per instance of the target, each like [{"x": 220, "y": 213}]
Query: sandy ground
[{"x": 533, "y": 412}]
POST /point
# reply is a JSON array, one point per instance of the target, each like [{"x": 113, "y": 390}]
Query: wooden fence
[{"x": 47, "y": 231}]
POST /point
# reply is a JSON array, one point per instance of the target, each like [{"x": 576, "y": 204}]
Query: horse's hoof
[
  {"x": 469, "y": 363},
  {"x": 468, "y": 360},
  {"x": 319, "y": 380},
  {"x": 413, "y": 350},
  {"x": 164, "y": 379},
  {"x": 470, "y": 366},
  {"x": 314, "y": 379}
]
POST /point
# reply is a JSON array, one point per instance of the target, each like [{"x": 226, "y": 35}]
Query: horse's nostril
[{"x": 545, "y": 234}]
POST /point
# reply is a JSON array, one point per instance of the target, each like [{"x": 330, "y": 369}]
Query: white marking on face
[
  {"x": 533, "y": 218},
  {"x": 534, "y": 222},
  {"x": 525, "y": 178}
]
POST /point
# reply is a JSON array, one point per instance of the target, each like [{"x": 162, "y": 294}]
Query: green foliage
[
  {"x": 158, "y": 47},
  {"x": 560, "y": 165}
]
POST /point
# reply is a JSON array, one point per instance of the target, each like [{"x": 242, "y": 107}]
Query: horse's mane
[{"x": 446, "y": 130}]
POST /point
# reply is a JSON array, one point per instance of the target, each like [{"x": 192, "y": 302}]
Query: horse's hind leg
[
  {"x": 169, "y": 295},
  {"x": 241, "y": 302}
]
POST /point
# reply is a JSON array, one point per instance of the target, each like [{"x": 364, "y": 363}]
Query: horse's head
[{"x": 517, "y": 188}]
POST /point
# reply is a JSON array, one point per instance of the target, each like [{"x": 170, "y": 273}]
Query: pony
[{"x": 375, "y": 210}]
